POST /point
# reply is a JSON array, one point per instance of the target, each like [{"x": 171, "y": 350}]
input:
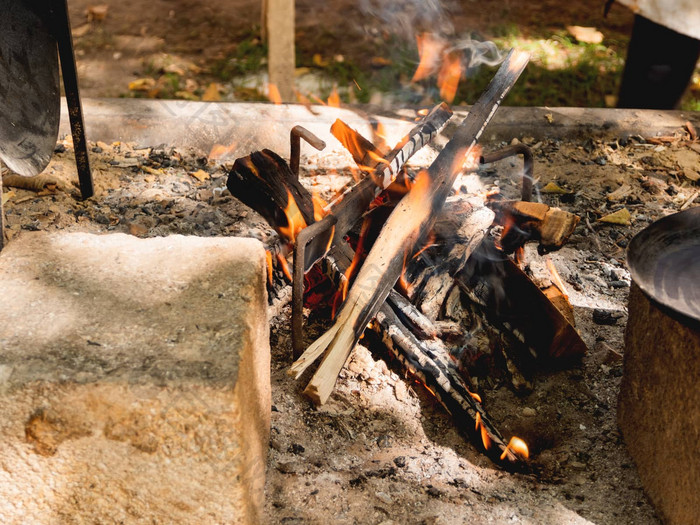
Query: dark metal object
[
  {"x": 29, "y": 89},
  {"x": 511, "y": 151},
  {"x": 61, "y": 25},
  {"x": 30, "y": 33},
  {"x": 305, "y": 236},
  {"x": 664, "y": 261},
  {"x": 295, "y": 136}
]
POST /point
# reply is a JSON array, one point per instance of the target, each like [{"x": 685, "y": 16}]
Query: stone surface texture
[{"x": 134, "y": 379}]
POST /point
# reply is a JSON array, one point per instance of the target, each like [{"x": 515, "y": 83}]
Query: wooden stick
[{"x": 411, "y": 219}]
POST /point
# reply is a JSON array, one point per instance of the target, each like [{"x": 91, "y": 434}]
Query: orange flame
[
  {"x": 430, "y": 49},
  {"x": 295, "y": 220},
  {"x": 518, "y": 446},
  {"x": 319, "y": 206},
  {"x": 285, "y": 267},
  {"x": 450, "y": 75},
  {"x": 477, "y": 397},
  {"x": 377, "y": 158},
  {"x": 268, "y": 258},
  {"x": 334, "y": 98},
  {"x": 485, "y": 439},
  {"x": 219, "y": 150},
  {"x": 273, "y": 93}
]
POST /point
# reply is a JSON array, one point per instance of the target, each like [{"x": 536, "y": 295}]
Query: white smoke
[{"x": 408, "y": 18}]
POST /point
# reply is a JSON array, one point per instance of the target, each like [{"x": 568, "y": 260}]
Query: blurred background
[{"x": 356, "y": 51}]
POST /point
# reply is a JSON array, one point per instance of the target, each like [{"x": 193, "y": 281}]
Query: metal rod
[
  {"x": 511, "y": 151},
  {"x": 302, "y": 240},
  {"x": 295, "y": 135},
  {"x": 61, "y": 26}
]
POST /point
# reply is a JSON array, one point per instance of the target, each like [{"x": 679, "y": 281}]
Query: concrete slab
[
  {"x": 236, "y": 129},
  {"x": 134, "y": 379}
]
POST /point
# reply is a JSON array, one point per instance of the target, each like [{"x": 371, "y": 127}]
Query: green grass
[{"x": 562, "y": 71}]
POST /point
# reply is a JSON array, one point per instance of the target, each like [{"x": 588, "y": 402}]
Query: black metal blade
[{"x": 29, "y": 89}]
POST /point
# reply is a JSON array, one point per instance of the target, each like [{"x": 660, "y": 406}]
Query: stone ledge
[{"x": 134, "y": 379}]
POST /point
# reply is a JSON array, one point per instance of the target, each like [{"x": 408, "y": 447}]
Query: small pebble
[
  {"x": 384, "y": 497},
  {"x": 400, "y": 461},
  {"x": 529, "y": 412}
]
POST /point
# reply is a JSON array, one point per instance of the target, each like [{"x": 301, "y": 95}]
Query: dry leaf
[
  {"x": 691, "y": 130},
  {"x": 81, "y": 31},
  {"x": 200, "y": 175},
  {"x": 549, "y": 117},
  {"x": 589, "y": 35},
  {"x": 552, "y": 187},
  {"x": 174, "y": 69},
  {"x": 318, "y": 60},
  {"x": 691, "y": 174},
  {"x": 621, "y": 217},
  {"x": 7, "y": 196},
  {"x": 620, "y": 193},
  {"x": 212, "y": 93},
  {"x": 36, "y": 183},
  {"x": 152, "y": 171},
  {"x": 142, "y": 84},
  {"x": 186, "y": 95},
  {"x": 380, "y": 62}
]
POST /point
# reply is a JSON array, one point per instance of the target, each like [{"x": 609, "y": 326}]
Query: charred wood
[{"x": 411, "y": 220}]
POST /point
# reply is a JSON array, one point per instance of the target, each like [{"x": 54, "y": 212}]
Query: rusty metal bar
[
  {"x": 295, "y": 135},
  {"x": 305, "y": 236},
  {"x": 528, "y": 164}
]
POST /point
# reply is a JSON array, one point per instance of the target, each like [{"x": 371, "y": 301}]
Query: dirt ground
[
  {"x": 382, "y": 450},
  {"x": 189, "y": 38}
]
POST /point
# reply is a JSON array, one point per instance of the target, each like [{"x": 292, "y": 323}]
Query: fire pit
[{"x": 381, "y": 448}]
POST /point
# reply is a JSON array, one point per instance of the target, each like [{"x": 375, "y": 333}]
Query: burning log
[
  {"x": 410, "y": 221},
  {"x": 347, "y": 208},
  {"x": 431, "y": 363},
  {"x": 523, "y": 221},
  {"x": 412, "y": 339},
  {"x": 514, "y": 304},
  {"x": 265, "y": 182}
]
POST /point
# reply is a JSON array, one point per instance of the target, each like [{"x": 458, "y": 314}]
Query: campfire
[{"x": 401, "y": 258}]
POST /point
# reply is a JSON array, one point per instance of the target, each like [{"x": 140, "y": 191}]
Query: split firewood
[
  {"x": 462, "y": 227},
  {"x": 345, "y": 210},
  {"x": 412, "y": 218},
  {"x": 430, "y": 362},
  {"x": 525, "y": 221},
  {"x": 513, "y": 303},
  {"x": 411, "y": 338}
]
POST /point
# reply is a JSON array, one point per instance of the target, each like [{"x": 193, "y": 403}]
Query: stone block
[
  {"x": 659, "y": 406},
  {"x": 134, "y": 379}
]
